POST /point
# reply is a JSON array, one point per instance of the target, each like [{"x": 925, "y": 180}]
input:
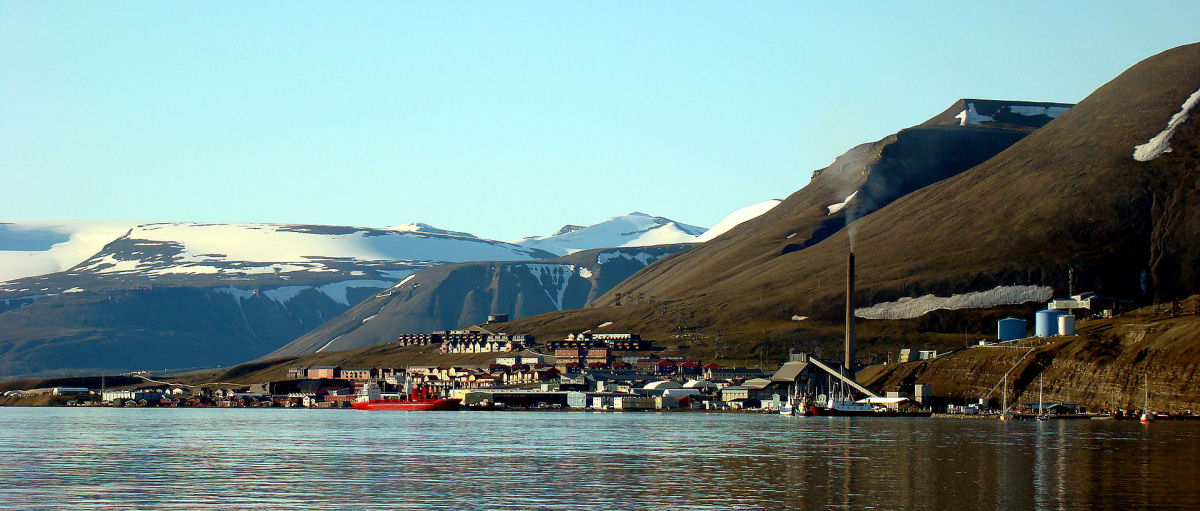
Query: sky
[{"x": 504, "y": 119}]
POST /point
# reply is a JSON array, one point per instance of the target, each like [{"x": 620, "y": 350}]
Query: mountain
[
  {"x": 207, "y": 254},
  {"x": 453, "y": 296},
  {"x": 859, "y": 182},
  {"x": 48, "y": 246},
  {"x": 633, "y": 230},
  {"x": 1066, "y": 207},
  {"x": 186, "y": 294},
  {"x": 110, "y": 296}
]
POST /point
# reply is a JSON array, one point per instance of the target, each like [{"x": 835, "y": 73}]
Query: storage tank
[
  {"x": 1066, "y": 324},
  {"x": 1045, "y": 322},
  {"x": 1009, "y": 329}
]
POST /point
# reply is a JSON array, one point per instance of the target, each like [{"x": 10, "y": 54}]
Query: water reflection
[{"x": 301, "y": 459}]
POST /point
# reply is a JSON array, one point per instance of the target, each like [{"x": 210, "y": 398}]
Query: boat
[
  {"x": 832, "y": 407},
  {"x": 416, "y": 400},
  {"x": 839, "y": 408},
  {"x": 1041, "y": 406},
  {"x": 1147, "y": 415}
]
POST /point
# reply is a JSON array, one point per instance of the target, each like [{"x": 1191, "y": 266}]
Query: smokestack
[{"x": 849, "y": 362}]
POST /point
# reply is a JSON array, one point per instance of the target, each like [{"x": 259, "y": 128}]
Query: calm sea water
[{"x": 115, "y": 458}]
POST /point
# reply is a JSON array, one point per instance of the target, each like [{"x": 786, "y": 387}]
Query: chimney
[{"x": 849, "y": 361}]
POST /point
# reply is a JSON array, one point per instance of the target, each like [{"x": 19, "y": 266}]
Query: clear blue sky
[{"x": 504, "y": 119}]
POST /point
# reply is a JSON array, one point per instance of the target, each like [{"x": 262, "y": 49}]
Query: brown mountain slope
[
  {"x": 876, "y": 173},
  {"x": 1068, "y": 196},
  {"x": 1106, "y": 366}
]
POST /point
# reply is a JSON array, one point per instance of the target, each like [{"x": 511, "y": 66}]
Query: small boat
[
  {"x": 1041, "y": 406},
  {"x": 417, "y": 400},
  {"x": 1147, "y": 415},
  {"x": 839, "y": 408}
]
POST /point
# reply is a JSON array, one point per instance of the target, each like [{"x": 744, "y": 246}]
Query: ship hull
[{"x": 407, "y": 405}]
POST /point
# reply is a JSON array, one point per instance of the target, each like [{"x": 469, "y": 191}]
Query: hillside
[
  {"x": 1069, "y": 196},
  {"x": 1106, "y": 366}
]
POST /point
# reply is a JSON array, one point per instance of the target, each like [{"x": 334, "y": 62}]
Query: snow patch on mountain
[
  {"x": 336, "y": 291},
  {"x": 554, "y": 279},
  {"x": 633, "y": 230},
  {"x": 641, "y": 257},
  {"x": 971, "y": 116},
  {"x": 1161, "y": 143},
  {"x": 737, "y": 218},
  {"x": 834, "y": 208},
  {"x": 908, "y": 307},
  {"x": 426, "y": 228},
  {"x": 29, "y": 248}
]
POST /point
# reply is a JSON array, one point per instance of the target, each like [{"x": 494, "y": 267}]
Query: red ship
[{"x": 418, "y": 400}]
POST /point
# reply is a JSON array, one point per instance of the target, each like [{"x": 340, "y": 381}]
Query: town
[{"x": 597, "y": 371}]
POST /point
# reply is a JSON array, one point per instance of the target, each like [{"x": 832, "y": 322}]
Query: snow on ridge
[
  {"x": 280, "y": 243},
  {"x": 907, "y": 308},
  {"x": 634, "y": 229},
  {"x": 1161, "y": 143},
  {"x": 834, "y": 208},
  {"x": 38, "y": 247},
  {"x": 336, "y": 291},
  {"x": 411, "y": 275},
  {"x": 426, "y": 228},
  {"x": 642, "y": 257},
  {"x": 970, "y": 116},
  {"x": 737, "y": 218}
]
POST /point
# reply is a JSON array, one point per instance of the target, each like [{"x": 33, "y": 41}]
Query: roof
[
  {"x": 663, "y": 384},
  {"x": 756, "y": 383},
  {"x": 789, "y": 371},
  {"x": 665, "y": 363},
  {"x": 711, "y": 365}
]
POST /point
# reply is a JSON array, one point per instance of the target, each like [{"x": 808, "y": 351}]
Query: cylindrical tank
[
  {"x": 1066, "y": 324},
  {"x": 1045, "y": 322},
  {"x": 1009, "y": 329}
]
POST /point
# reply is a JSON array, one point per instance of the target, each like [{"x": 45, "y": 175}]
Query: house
[
  {"x": 358, "y": 374},
  {"x": 317, "y": 372},
  {"x": 729, "y": 374}
]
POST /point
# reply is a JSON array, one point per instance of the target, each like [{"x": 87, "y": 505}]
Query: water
[{"x": 117, "y": 458}]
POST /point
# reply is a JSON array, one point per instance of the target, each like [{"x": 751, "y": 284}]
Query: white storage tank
[{"x": 1066, "y": 325}]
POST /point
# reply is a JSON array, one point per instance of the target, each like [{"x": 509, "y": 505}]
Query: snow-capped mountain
[
  {"x": 241, "y": 254},
  {"x": 736, "y": 218},
  {"x": 633, "y": 230},
  {"x": 46, "y": 246}
]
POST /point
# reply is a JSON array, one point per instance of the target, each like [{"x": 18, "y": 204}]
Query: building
[
  {"x": 330, "y": 372},
  {"x": 483, "y": 343},
  {"x": 729, "y": 374},
  {"x": 358, "y": 374}
]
